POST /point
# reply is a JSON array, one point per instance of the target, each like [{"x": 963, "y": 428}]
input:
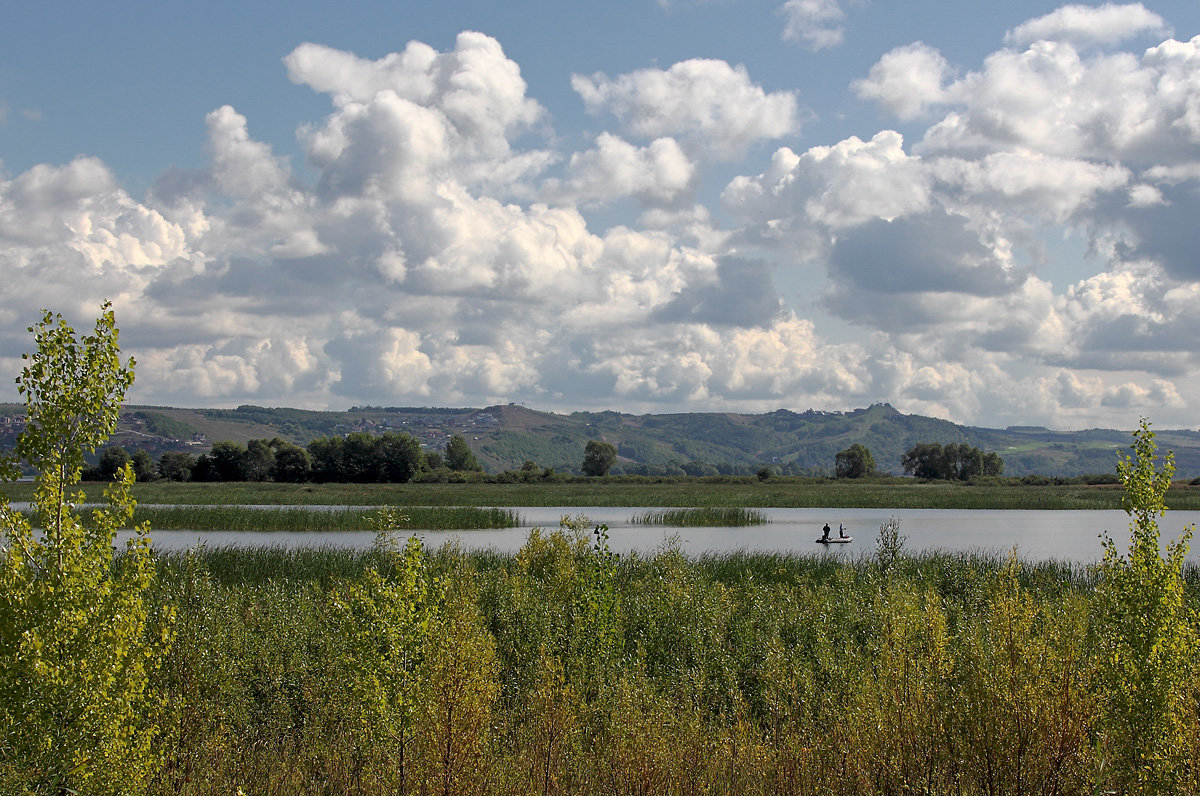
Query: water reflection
[{"x": 1037, "y": 535}]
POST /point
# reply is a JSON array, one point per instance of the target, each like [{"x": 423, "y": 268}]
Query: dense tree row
[
  {"x": 952, "y": 462},
  {"x": 354, "y": 458},
  {"x": 392, "y": 457}
]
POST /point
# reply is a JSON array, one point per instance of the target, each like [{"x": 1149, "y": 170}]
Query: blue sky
[{"x": 983, "y": 212}]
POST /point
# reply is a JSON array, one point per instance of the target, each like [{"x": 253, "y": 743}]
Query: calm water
[{"x": 1068, "y": 535}]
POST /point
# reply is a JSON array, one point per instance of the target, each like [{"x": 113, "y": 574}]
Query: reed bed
[
  {"x": 257, "y": 565},
  {"x": 242, "y": 518},
  {"x": 707, "y": 516}
]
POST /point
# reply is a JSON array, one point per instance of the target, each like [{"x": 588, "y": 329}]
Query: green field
[{"x": 776, "y": 492}]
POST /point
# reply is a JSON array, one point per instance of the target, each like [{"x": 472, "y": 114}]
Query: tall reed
[
  {"x": 241, "y": 518},
  {"x": 712, "y": 516}
]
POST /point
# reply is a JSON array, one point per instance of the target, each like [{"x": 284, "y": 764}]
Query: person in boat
[
  {"x": 825, "y": 532},
  {"x": 841, "y": 531}
]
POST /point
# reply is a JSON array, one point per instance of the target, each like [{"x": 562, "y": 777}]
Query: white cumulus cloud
[
  {"x": 656, "y": 174},
  {"x": 1106, "y": 24},
  {"x": 907, "y": 81},
  {"x": 708, "y": 102}
]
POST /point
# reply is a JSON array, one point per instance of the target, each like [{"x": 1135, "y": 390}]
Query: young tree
[
  {"x": 598, "y": 458},
  {"x": 854, "y": 462},
  {"x": 76, "y": 640},
  {"x": 1146, "y": 637}
]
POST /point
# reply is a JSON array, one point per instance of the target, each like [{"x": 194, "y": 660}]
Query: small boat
[{"x": 836, "y": 540}]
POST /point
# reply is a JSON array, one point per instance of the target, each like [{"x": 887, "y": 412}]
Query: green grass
[
  {"x": 240, "y": 518},
  {"x": 707, "y": 516},
  {"x": 777, "y": 492}
]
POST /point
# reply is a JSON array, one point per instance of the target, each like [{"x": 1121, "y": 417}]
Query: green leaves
[
  {"x": 76, "y": 646},
  {"x": 73, "y": 390},
  {"x": 1145, "y": 634}
]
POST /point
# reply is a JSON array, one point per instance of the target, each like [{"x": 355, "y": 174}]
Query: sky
[{"x": 981, "y": 212}]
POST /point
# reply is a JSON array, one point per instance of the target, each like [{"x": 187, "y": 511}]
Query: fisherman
[
  {"x": 841, "y": 531},
  {"x": 825, "y": 533}
]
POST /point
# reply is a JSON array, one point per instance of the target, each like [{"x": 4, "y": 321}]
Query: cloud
[
  {"x": 1162, "y": 231},
  {"x": 1106, "y": 24},
  {"x": 895, "y": 257},
  {"x": 938, "y": 249},
  {"x": 658, "y": 174},
  {"x": 814, "y": 23},
  {"x": 741, "y": 293},
  {"x": 1027, "y": 183},
  {"x": 241, "y": 166},
  {"x": 442, "y": 244},
  {"x": 907, "y": 81},
  {"x": 72, "y": 226},
  {"x": 706, "y": 102},
  {"x": 478, "y": 89},
  {"x": 1051, "y": 99},
  {"x": 404, "y": 120},
  {"x": 801, "y": 200}
]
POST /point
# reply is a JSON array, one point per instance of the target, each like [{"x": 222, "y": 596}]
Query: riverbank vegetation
[
  {"x": 565, "y": 669},
  {"x": 239, "y": 518},
  {"x": 625, "y": 491}
]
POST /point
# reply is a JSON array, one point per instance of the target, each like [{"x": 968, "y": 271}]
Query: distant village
[{"x": 431, "y": 430}]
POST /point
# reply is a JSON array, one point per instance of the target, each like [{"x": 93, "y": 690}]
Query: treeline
[{"x": 358, "y": 458}]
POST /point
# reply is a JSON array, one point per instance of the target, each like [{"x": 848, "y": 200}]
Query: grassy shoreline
[{"x": 779, "y": 492}]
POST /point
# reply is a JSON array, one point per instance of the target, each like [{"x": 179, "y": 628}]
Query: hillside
[{"x": 503, "y": 437}]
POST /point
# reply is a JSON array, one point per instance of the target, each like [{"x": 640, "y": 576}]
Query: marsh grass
[
  {"x": 706, "y": 516},
  {"x": 254, "y": 566},
  {"x": 241, "y": 518},
  {"x": 776, "y": 492}
]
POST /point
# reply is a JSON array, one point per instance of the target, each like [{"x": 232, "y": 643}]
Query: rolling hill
[{"x": 503, "y": 437}]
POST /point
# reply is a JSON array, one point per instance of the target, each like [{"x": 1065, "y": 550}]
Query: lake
[{"x": 1038, "y": 535}]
